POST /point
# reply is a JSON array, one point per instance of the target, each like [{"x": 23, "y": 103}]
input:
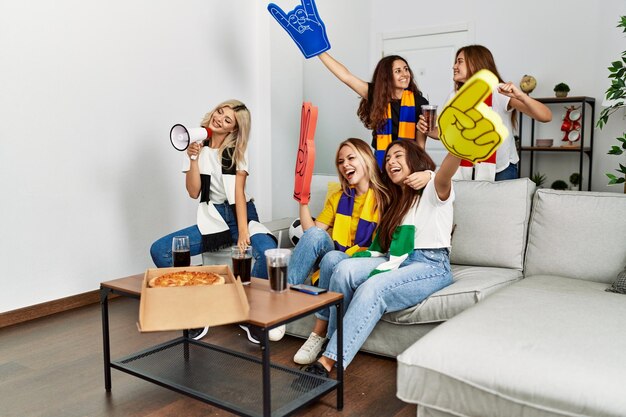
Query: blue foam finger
[{"x": 304, "y": 26}]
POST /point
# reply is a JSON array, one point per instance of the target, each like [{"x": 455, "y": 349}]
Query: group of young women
[{"x": 391, "y": 220}]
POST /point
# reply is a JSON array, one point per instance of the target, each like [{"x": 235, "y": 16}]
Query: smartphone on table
[{"x": 309, "y": 289}]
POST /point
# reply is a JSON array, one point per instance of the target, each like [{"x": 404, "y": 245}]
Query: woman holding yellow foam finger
[
  {"x": 506, "y": 99},
  {"x": 408, "y": 259}
]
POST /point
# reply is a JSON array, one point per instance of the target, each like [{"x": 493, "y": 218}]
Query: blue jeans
[
  {"x": 424, "y": 272},
  {"x": 161, "y": 250},
  {"x": 509, "y": 173},
  {"x": 311, "y": 248},
  {"x": 314, "y": 250}
]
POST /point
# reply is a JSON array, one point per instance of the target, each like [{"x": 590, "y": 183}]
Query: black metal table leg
[
  {"x": 340, "y": 354},
  {"x": 106, "y": 344},
  {"x": 186, "y": 345},
  {"x": 267, "y": 389}
]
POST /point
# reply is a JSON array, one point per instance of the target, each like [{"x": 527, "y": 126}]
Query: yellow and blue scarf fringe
[
  {"x": 406, "y": 127},
  {"x": 343, "y": 219}
]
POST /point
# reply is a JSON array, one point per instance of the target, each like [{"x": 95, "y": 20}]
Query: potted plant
[
  {"x": 559, "y": 185},
  {"x": 616, "y": 95},
  {"x": 561, "y": 90},
  {"x": 574, "y": 179},
  {"x": 538, "y": 179}
]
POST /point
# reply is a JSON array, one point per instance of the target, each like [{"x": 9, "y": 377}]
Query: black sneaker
[
  {"x": 305, "y": 383},
  {"x": 316, "y": 368},
  {"x": 197, "y": 334},
  {"x": 253, "y": 336}
]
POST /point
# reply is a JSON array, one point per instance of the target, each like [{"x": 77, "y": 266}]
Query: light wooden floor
[{"x": 53, "y": 367}]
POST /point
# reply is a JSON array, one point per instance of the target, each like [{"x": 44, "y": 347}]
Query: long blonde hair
[
  {"x": 364, "y": 152},
  {"x": 238, "y": 138}
]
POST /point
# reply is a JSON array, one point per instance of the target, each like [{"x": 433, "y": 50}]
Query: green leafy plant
[
  {"x": 616, "y": 93},
  {"x": 538, "y": 179},
  {"x": 574, "y": 179},
  {"x": 559, "y": 185},
  {"x": 561, "y": 87}
]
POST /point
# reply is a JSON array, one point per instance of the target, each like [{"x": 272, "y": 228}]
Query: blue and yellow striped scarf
[
  {"x": 406, "y": 127},
  {"x": 366, "y": 226}
]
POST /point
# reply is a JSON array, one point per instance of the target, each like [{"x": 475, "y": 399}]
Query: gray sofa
[
  {"x": 551, "y": 344},
  {"x": 527, "y": 328},
  {"x": 488, "y": 243}
]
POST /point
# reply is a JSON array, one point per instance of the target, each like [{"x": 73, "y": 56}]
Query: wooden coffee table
[{"x": 231, "y": 380}]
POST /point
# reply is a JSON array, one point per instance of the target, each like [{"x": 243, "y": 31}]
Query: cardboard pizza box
[{"x": 178, "y": 308}]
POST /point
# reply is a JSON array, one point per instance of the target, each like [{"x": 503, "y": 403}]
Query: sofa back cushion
[
  {"x": 577, "y": 234},
  {"x": 491, "y": 222}
]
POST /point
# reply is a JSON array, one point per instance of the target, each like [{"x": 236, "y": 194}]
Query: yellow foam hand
[{"x": 468, "y": 128}]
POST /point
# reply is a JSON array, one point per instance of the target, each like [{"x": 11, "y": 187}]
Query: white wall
[
  {"x": 88, "y": 93},
  {"x": 554, "y": 42},
  {"x": 90, "y": 89}
]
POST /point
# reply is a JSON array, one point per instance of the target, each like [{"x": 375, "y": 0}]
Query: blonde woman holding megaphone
[{"x": 215, "y": 173}]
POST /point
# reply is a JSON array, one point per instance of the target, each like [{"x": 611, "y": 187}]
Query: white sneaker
[
  {"x": 277, "y": 333},
  {"x": 310, "y": 350},
  {"x": 252, "y": 336}
]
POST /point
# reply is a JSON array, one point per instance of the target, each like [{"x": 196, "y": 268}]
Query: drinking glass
[
  {"x": 277, "y": 261},
  {"x": 242, "y": 263},
  {"x": 181, "y": 255},
  {"x": 429, "y": 111}
]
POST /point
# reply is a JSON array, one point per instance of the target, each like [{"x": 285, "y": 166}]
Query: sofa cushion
[
  {"x": 546, "y": 345},
  {"x": 619, "y": 286},
  {"x": 491, "y": 221},
  {"x": 577, "y": 235},
  {"x": 471, "y": 285}
]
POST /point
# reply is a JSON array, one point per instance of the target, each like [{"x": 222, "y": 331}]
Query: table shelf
[
  {"x": 237, "y": 382},
  {"x": 219, "y": 376}
]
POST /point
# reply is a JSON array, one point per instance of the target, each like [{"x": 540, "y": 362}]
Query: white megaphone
[{"x": 181, "y": 137}]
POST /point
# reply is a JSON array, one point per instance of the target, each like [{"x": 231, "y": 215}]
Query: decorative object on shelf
[
  {"x": 528, "y": 84},
  {"x": 574, "y": 179},
  {"x": 583, "y": 149},
  {"x": 615, "y": 98},
  {"x": 571, "y": 126},
  {"x": 545, "y": 143},
  {"x": 561, "y": 90},
  {"x": 559, "y": 185},
  {"x": 538, "y": 178}
]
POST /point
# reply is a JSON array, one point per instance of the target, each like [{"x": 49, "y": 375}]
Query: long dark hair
[
  {"x": 478, "y": 57},
  {"x": 374, "y": 114},
  {"x": 402, "y": 196}
]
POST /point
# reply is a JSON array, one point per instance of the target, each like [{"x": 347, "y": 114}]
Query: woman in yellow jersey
[{"x": 352, "y": 214}]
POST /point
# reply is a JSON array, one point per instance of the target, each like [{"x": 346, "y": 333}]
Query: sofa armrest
[{"x": 281, "y": 225}]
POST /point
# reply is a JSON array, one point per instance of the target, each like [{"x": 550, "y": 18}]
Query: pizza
[{"x": 186, "y": 278}]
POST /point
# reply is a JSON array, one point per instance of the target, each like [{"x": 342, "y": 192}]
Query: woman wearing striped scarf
[
  {"x": 390, "y": 104},
  {"x": 352, "y": 214},
  {"x": 216, "y": 173},
  {"x": 408, "y": 259}
]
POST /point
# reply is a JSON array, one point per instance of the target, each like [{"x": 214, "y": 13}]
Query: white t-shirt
[
  {"x": 506, "y": 153},
  {"x": 433, "y": 219},
  {"x": 210, "y": 163}
]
